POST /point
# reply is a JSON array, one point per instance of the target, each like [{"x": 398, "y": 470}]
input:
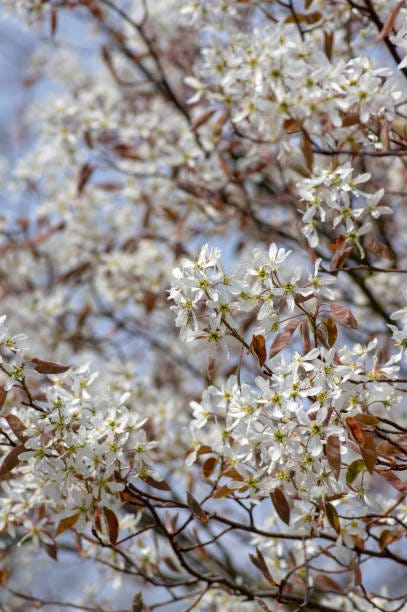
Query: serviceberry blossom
[{"x": 203, "y": 322}]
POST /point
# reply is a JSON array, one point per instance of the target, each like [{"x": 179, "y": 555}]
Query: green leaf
[{"x": 353, "y": 470}]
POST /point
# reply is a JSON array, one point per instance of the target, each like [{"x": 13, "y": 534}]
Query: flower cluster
[
  {"x": 71, "y": 451},
  {"x": 333, "y": 195},
  {"x": 199, "y": 123},
  {"x": 207, "y": 300}
]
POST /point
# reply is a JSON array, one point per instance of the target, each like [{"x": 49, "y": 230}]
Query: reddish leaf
[
  {"x": 52, "y": 551},
  {"x": 308, "y": 18},
  {"x": 222, "y": 492},
  {"x": 112, "y": 187},
  {"x": 259, "y": 347},
  {"x": 193, "y": 504},
  {"x": 332, "y": 516},
  {"x": 306, "y": 148},
  {"x": 322, "y": 335},
  {"x": 112, "y": 524},
  {"x": 3, "y": 395},
  {"x": 10, "y": 461},
  {"x": 343, "y": 315},
  {"x": 283, "y": 338},
  {"x": 340, "y": 257},
  {"x": 16, "y": 426},
  {"x": 328, "y": 43},
  {"x": 85, "y": 173},
  {"x": 355, "y": 430},
  {"x": 332, "y": 331},
  {"x": 326, "y": 583},
  {"x": 210, "y": 368},
  {"x": 291, "y": 126},
  {"x": 259, "y": 561},
  {"x": 49, "y": 367},
  {"x": 304, "y": 329},
  {"x": 4, "y": 576},
  {"x": 368, "y": 451},
  {"x": 388, "y": 25},
  {"x": 386, "y": 449},
  {"x": 399, "y": 126},
  {"x": 356, "y": 571},
  {"x": 204, "y": 450},
  {"x": 281, "y": 505},
  {"x": 232, "y": 472},
  {"x": 196, "y": 508},
  {"x": 66, "y": 523},
  {"x": 127, "y": 152},
  {"x": 367, "y": 419},
  {"x": 170, "y": 563},
  {"x": 333, "y": 454},
  {"x": 209, "y": 466},
  {"x": 137, "y": 605},
  {"x": 161, "y": 485},
  {"x": 394, "y": 481},
  {"x": 378, "y": 248},
  {"x": 202, "y": 118},
  {"x": 336, "y": 246},
  {"x": 388, "y": 536},
  {"x": 54, "y": 20}
]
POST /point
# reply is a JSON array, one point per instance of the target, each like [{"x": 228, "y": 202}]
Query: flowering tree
[{"x": 208, "y": 264}]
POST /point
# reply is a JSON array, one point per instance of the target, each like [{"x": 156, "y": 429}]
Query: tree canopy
[{"x": 203, "y": 324}]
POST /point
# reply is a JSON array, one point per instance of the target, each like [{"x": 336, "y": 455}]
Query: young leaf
[
  {"x": 388, "y": 536},
  {"x": 304, "y": 329},
  {"x": 196, "y": 508},
  {"x": 326, "y": 583},
  {"x": 283, "y": 338},
  {"x": 223, "y": 491},
  {"x": 49, "y": 367},
  {"x": 353, "y": 470},
  {"x": 332, "y": 516},
  {"x": 328, "y": 43},
  {"x": 16, "y": 426},
  {"x": 10, "y": 461},
  {"x": 332, "y": 331},
  {"x": 356, "y": 430},
  {"x": 52, "y": 551},
  {"x": 112, "y": 524},
  {"x": 368, "y": 451},
  {"x": 343, "y": 315},
  {"x": 66, "y": 523},
  {"x": 202, "y": 118},
  {"x": 85, "y": 173},
  {"x": 259, "y": 347},
  {"x": 394, "y": 481},
  {"x": 161, "y": 485},
  {"x": 137, "y": 605},
  {"x": 333, "y": 454},
  {"x": 259, "y": 561},
  {"x": 3, "y": 395},
  {"x": 209, "y": 466},
  {"x": 281, "y": 505}
]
